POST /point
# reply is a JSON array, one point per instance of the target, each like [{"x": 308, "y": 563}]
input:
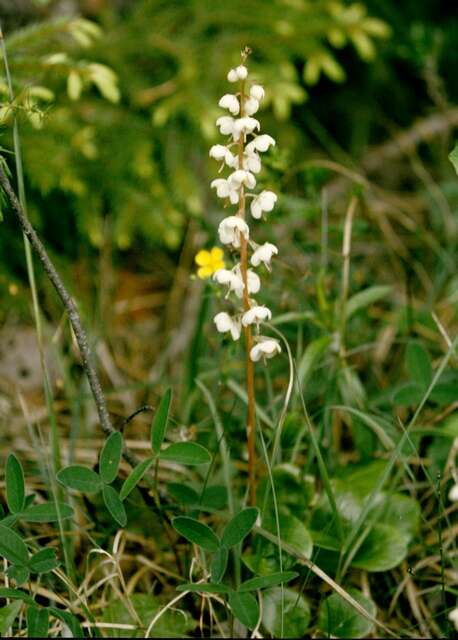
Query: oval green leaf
[
  {"x": 47, "y": 512},
  {"x": 111, "y": 457},
  {"x": 159, "y": 424},
  {"x": 265, "y": 582},
  {"x": 296, "y": 613},
  {"x": 219, "y": 564},
  {"x": 196, "y": 532},
  {"x": 114, "y": 505},
  {"x": 80, "y": 478},
  {"x": 338, "y": 619},
  {"x": 240, "y": 526},
  {"x": 37, "y": 622},
  {"x": 15, "y": 490},
  {"x": 188, "y": 453},
  {"x": 43, "y": 561},
  {"x": 245, "y": 608},
  {"x": 134, "y": 478},
  {"x": 12, "y": 547},
  {"x": 383, "y": 548}
]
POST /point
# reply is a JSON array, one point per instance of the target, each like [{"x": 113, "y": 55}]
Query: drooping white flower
[
  {"x": 256, "y": 315},
  {"x": 224, "y": 189},
  {"x": 252, "y": 162},
  {"x": 253, "y": 280},
  {"x": 230, "y": 278},
  {"x": 231, "y": 228},
  {"x": 224, "y": 323},
  {"x": 260, "y": 143},
  {"x": 243, "y": 126},
  {"x": 266, "y": 348},
  {"x": 257, "y": 92},
  {"x": 453, "y": 493},
  {"x": 230, "y": 102},
  {"x": 265, "y": 201},
  {"x": 264, "y": 254},
  {"x": 218, "y": 152},
  {"x": 250, "y": 106},
  {"x": 239, "y": 73},
  {"x": 226, "y": 125},
  {"x": 453, "y": 616},
  {"x": 240, "y": 177}
]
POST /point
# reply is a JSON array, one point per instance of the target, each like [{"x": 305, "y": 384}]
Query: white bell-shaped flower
[
  {"x": 226, "y": 125},
  {"x": 230, "y": 278},
  {"x": 244, "y": 125},
  {"x": 260, "y": 143},
  {"x": 250, "y": 106},
  {"x": 264, "y": 254},
  {"x": 252, "y": 162},
  {"x": 256, "y": 315},
  {"x": 230, "y": 102},
  {"x": 231, "y": 229},
  {"x": 239, "y": 73},
  {"x": 453, "y": 493},
  {"x": 224, "y": 189},
  {"x": 265, "y": 201},
  {"x": 253, "y": 280},
  {"x": 242, "y": 177},
  {"x": 224, "y": 324},
  {"x": 218, "y": 152},
  {"x": 257, "y": 92},
  {"x": 266, "y": 348}
]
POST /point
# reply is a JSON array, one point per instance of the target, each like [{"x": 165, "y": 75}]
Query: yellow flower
[{"x": 209, "y": 262}]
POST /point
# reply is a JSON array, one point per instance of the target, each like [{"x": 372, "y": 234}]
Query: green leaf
[
  {"x": 171, "y": 624},
  {"x": 8, "y": 615},
  {"x": 46, "y": 512},
  {"x": 418, "y": 364},
  {"x": 183, "y": 494},
  {"x": 12, "y": 547},
  {"x": 69, "y": 619},
  {"x": 453, "y": 157},
  {"x": 80, "y": 478},
  {"x": 189, "y": 453},
  {"x": 383, "y": 548},
  {"x": 296, "y": 613},
  {"x": 15, "y": 490},
  {"x": 18, "y": 573},
  {"x": 159, "y": 424},
  {"x": 204, "y": 587},
  {"x": 219, "y": 564},
  {"x": 196, "y": 532},
  {"x": 240, "y": 526},
  {"x": 313, "y": 353},
  {"x": 37, "y": 622},
  {"x": 408, "y": 394},
  {"x": 265, "y": 582},
  {"x": 114, "y": 505},
  {"x": 214, "y": 497},
  {"x": 366, "y": 298},
  {"x": 16, "y": 594},
  {"x": 137, "y": 474},
  {"x": 43, "y": 561},
  {"x": 245, "y": 608},
  {"x": 294, "y": 533},
  {"x": 338, "y": 619},
  {"x": 111, "y": 457}
]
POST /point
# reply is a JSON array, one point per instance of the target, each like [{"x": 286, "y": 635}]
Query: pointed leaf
[
  {"x": 47, "y": 512},
  {"x": 111, "y": 457},
  {"x": 114, "y": 505},
  {"x": 245, "y": 608},
  {"x": 240, "y": 526},
  {"x": 8, "y": 615},
  {"x": 80, "y": 478},
  {"x": 264, "y": 582},
  {"x": 15, "y": 490},
  {"x": 418, "y": 364},
  {"x": 196, "y": 532},
  {"x": 37, "y": 622},
  {"x": 366, "y": 297},
  {"x": 43, "y": 561},
  {"x": 189, "y": 453},
  {"x": 159, "y": 424},
  {"x": 16, "y": 594},
  {"x": 134, "y": 478},
  {"x": 219, "y": 564},
  {"x": 12, "y": 547}
]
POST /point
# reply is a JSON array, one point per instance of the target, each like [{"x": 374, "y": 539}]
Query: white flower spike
[
  {"x": 267, "y": 348},
  {"x": 224, "y": 324}
]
